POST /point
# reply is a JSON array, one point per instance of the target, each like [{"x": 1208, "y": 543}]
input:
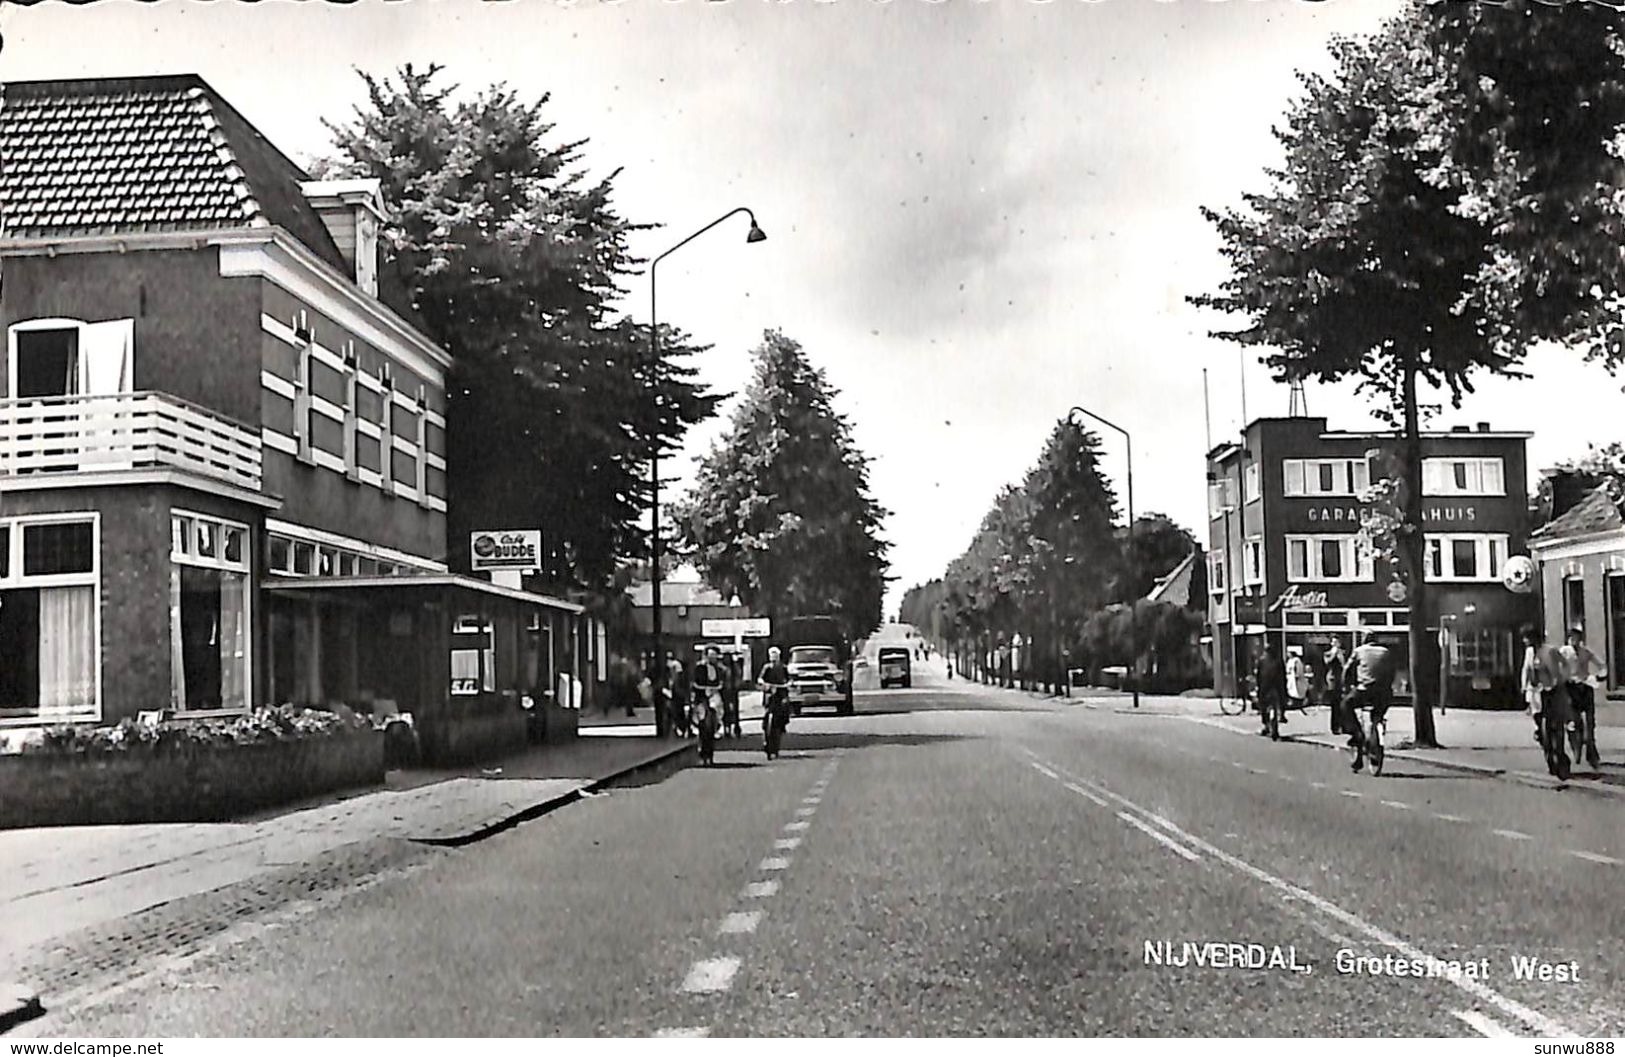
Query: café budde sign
[{"x": 518, "y": 550}]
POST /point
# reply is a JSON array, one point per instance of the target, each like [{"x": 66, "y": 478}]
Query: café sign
[
  {"x": 1292, "y": 598},
  {"x": 518, "y": 550}
]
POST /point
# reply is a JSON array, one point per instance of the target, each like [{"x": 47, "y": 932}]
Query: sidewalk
[
  {"x": 62, "y": 879},
  {"x": 1499, "y": 744}
]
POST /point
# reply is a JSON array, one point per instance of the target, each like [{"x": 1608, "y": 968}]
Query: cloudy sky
[{"x": 979, "y": 213}]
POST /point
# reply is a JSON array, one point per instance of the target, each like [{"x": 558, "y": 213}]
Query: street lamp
[
  {"x": 1133, "y": 618},
  {"x": 756, "y": 234}
]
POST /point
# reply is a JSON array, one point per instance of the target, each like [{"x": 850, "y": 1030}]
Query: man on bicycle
[
  {"x": 775, "y": 682},
  {"x": 1370, "y": 680},
  {"x": 1584, "y": 670}
]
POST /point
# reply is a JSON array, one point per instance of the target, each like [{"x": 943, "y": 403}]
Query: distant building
[
  {"x": 687, "y": 608},
  {"x": 1285, "y": 508}
]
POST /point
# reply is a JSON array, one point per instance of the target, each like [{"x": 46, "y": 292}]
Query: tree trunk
[{"x": 1413, "y": 551}]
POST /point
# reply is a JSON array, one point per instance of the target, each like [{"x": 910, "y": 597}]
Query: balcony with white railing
[{"x": 59, "y": 435}]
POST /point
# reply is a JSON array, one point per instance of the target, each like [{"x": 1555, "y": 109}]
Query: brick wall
[{"x": 197, "y": 335}]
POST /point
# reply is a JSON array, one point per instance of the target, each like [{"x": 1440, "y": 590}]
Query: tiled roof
[
  {"x": 140, "y": 155},
  {"x": 1597, "y": 512},
  {"x": 1176, "y": 586}
]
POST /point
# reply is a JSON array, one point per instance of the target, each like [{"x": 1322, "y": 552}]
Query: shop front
[{"x": 480, "y": 668}]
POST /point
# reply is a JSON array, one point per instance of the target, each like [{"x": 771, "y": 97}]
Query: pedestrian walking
[
  {"x": 1335, "y": 662},
  {"x": 677, "y": 696},
  {"x": 1585, "y": 670},
  {"x": 1297, "y": 680},
  {"x": 1544, "y": 681},
  {"x": 1269, "y": 680}
]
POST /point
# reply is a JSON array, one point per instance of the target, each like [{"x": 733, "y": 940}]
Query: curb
[
  {"x": 1529, "y": 778},
  {"x": 537, "y": 810},
  {"x": 18, "y": 1005}
]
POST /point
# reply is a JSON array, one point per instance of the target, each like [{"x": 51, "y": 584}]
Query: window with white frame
[
  {"x": 49, "y": 617},
  {"x": 1215, "y": 572},
  {"x": 1456, "y": 476},
  {"x": 1325, "y": 477},
  {"x": 1250, "y": 490},
  {"x": 1253, "y": 557},
  {"x": 1326, "y": 559},
  {"x": 209, "y": 629},
  {"x": 1465, "y": 556}
]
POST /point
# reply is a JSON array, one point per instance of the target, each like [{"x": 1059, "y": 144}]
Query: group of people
[
  {"x": 1558, "y": 684},
  {"x": 1560, "y": 693},
  {"x": 704, "y": 702},
  {"x": 1362, "y": 681}
]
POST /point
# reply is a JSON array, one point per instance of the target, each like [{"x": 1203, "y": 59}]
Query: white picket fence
[{"x": 127, "y": 431}]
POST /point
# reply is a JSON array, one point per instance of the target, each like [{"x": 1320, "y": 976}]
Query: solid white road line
[
  {"x": 787, "y": 844},
  {"x": 740, "y": 921},
  {"x": 1158, "y": 837},
  {"x": 1591, "y": 856},
  {"x": 711, "y": 975},
  {"x": 1081, "y": 791},
  {"x": 1511, "y": 834},
  {"x": 1484, "y": 994},
  {"x": 761, "y": 889},
  {"x": 1485, "y": 1026},
  {"x": 774, "y": 864}
]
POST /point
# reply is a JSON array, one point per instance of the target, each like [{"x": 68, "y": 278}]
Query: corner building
[{"x": 1285, "y": 510}]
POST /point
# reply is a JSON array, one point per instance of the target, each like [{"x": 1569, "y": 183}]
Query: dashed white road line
[
  {"x": 1397, "y": 805},
  {"x": 761, "y": 889},
  {"x": 1442, "y": 817},
  {"x": 1481, "y": 992},
  {"x": 814, "y": 800},
  {"x": 1350, "y": 792},
  {"x": 740, "y": 921},
  {"x": 1591, "y": 856},
  {"x": 787, "y": 844},
  {"x": 1511, "y": 834},
  {"x": 806, "y": 812},
  {"x": 1046, "y": 772},
  {"x": 800, "y": 824},
  {"x": 1178, "y": 849},
  {"x": 1317, "y": 785},
  {"x": 710, "y": 975},
  {"x": 682, "y": 1033},
  {"x": 1488, "y": 1027},
  {"x": 774, "y": 864}
]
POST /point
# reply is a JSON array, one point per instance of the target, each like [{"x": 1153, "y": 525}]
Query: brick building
[
  {"x": 1285, "y": 507},
  {"x": 222, "y": 456}
]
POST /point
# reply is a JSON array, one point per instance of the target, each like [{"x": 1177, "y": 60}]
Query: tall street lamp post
[
  {"x": 756, "y": 234},
  {"x": 1133, "y": 617}
]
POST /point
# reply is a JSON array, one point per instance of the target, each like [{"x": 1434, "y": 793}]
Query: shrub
[{"x": 261, "y": 726}]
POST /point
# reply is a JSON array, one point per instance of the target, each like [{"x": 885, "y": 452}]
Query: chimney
[
  {"x": 1483, "y": 427},
  {"x": 1461, "y": 429},
  {"x": 351, "y": 210}
]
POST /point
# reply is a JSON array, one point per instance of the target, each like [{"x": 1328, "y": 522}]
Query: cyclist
[
  {"x": 708, "y": 682},
  {"x": 775, "y": 683},
  {"x": 1370, "y": 679}
]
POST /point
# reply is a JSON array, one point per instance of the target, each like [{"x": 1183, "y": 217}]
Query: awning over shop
[{"x": 406, "y": 581}]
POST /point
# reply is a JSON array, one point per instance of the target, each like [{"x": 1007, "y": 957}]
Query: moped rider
[
  {"x": 708, "y": 681},
  {"x": 775, "y": 683}
]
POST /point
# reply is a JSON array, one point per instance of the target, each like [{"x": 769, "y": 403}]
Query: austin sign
[
  {"x": 515, "y": 550},
  {"x": 1292, "y": 598}
]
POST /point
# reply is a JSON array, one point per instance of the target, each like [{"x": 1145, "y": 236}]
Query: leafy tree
[
  {"x": 781, "y": 511},
  {"x": 1447, "y": 199},
  {"x": 508, "y": 256},
  {"x": 1152, "y": 549}
]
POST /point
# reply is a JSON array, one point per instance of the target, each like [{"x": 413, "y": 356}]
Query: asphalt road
[{"x": 954, "y": 860}]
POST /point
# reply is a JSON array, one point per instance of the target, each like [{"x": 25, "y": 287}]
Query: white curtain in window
[
  {"x": 67, "y": 648},
  {"x": 233, "y": 640},
  {"x": 177, "y": 651}
]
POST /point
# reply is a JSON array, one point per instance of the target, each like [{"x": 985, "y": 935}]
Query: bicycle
[{"x": 1238, "y": 704}]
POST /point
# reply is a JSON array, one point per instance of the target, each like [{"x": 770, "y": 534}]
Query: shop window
[
  {"x": 279, "y": 554},
  {"x": 49, "y": 634},
  {"x": 209, "y": 615}
]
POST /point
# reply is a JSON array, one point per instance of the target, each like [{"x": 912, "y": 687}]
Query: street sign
[
  {"x": 517, "y": 550},
  {"x": 743, "y": 627}
]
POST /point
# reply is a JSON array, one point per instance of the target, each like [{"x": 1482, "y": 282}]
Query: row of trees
[
  {"x": 502, "y": 250},
  {"x": 1450, "y": 195},
  {"x": 1050, "y": 567}
]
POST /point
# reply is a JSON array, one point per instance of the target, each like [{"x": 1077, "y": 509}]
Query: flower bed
[{"x": 185, "y": 771}]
